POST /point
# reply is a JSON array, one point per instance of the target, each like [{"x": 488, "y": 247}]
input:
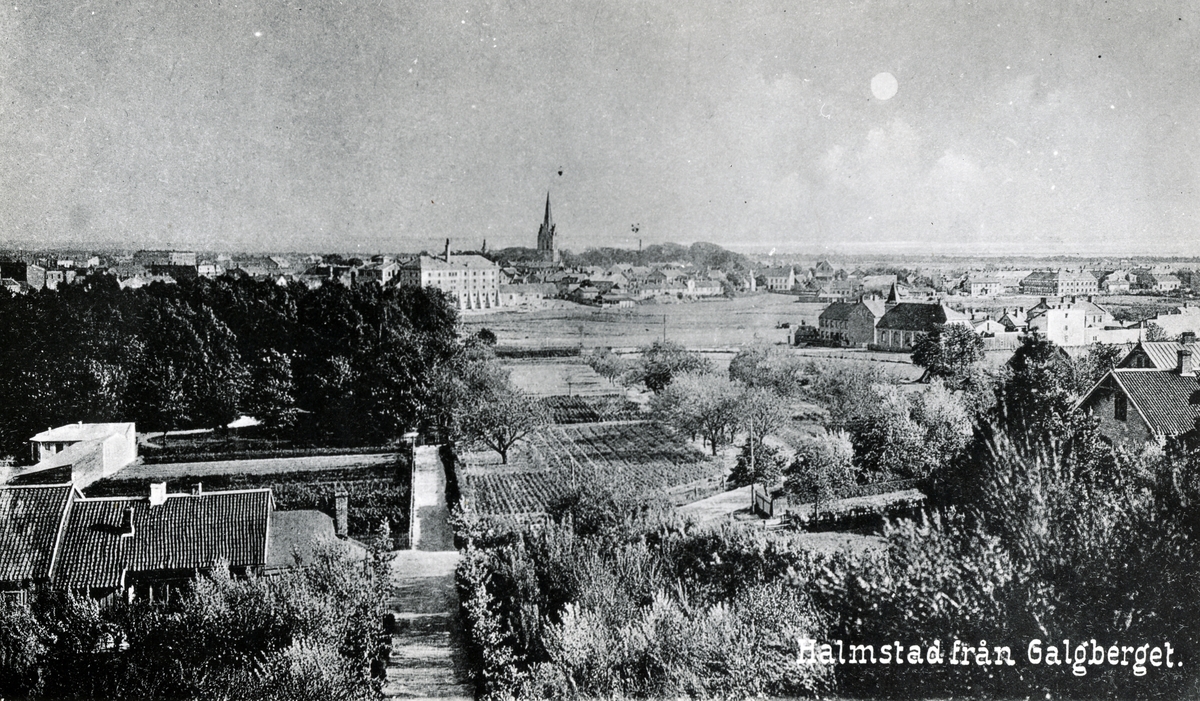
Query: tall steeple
[{"x": 545, "y": 239}]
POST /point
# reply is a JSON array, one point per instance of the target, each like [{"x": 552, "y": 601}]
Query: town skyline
[{"x": 987, "y": 130}]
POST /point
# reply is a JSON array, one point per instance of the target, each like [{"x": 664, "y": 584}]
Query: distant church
[{"x": 545, "y": 241}]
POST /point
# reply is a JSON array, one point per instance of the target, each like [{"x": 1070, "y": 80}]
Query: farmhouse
[{"x": 1136, "y": 405}]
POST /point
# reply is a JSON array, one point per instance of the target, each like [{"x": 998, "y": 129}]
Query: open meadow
[{"x": 713, "y": 323}]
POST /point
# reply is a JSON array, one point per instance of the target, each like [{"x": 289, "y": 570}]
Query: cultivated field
[{"x": 548, "y": 465}]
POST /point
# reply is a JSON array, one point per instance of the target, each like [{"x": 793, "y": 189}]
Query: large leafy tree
[
  {"x": 498, "y": 414},
  {"x": 949, "y": 351},
  {"x": 661, "y": 361},
  {"x": 768, "y": 366},
  {"x": 700, "y": 404},
  {"x": 823, "y": 469}
]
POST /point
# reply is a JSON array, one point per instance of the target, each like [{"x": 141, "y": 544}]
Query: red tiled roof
[
  {"x": 185, "y": 532},
  {"x": 1170, "y": 402},
  {"x": 31, "y": 518}
]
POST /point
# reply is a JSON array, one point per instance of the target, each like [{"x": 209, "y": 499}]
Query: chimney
[
  {"x": 341, "y": 506},
  {"x": 1184, "y": 365},
  {"x": 447, "y": 254},
  {"x": 197, "y": 489},
  {"x": 127, "y": 522},
  {"x": 158, "y": 493}
]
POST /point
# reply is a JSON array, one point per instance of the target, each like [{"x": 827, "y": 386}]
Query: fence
[{"x": 695, "y": 491}]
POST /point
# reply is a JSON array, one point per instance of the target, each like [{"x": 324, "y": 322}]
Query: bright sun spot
[{"x": 884, "y": 86}]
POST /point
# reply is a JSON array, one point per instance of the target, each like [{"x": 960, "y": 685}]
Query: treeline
[
  {"x": 334, "y": 365},
  {"x": 700, "y": 254}
]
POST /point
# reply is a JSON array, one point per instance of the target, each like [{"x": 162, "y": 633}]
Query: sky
[{"x": 384, "y": 126}]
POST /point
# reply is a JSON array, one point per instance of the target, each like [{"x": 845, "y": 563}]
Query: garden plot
[{"x": 549, "y": 464}]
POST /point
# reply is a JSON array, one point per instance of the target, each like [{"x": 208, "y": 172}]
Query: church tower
[{"x": 545, "y": 240}]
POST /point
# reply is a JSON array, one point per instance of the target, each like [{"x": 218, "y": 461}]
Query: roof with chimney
[
  {"x": 184, "y": 532},
  {"x": 31, "y": 522},
  {"x": 1167, "y": 401},
  {"x": 1159, "y": 355}
]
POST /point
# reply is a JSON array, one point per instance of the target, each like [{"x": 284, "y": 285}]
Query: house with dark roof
[
  {"x": 113, "y": 548},
  {"x": 1135, "y": 405},
  {"x": 905, "y": 322},
  {"x": 32, "y": 520},
  {"x": 850, "y": 323},
  {"x": 127, "y": 546},
  {"x": 1159, "y": 355}
]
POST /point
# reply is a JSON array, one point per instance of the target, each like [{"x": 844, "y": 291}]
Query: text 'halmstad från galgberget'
[{"x": 1077, "y": 657}]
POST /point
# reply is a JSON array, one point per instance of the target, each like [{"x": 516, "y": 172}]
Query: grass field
[
  {"x": 546, "y": 467},
  {"x": 716, "y": 323}
]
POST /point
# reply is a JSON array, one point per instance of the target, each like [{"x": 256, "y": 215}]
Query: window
[{"x": 1120, "y": 407}]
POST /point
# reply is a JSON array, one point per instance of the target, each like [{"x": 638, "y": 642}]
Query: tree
[
  {"x": 704, "y": 405},
  {"x": 765, "y": 467},
  {"x": 270, "y": 398},
  {"x": 761, "y": 411},
  {"x": 910, "y": 435},
  {"x": 948, "y": 351},
  {"x": 500, "y": 415},
  {"x": 1038, "y": 394},
  {"x": 608, "y": 365},
  {"x": 768, "y": 366},
  {"x": 663, "y": 360},
  {"x": 1154, "y": 332},
  {"x": 486, "y": 336},
  {"x": 1091, "y": 368},
  {"x": 823, "y": 469},
  {"x": 846, "y": 390}
]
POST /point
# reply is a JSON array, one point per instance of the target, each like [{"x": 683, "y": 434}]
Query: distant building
[
  {"x": 779, "y": 279},
  {"x": 905, "y": 322},
  {"x": 80, "y": 453},
  {"x": 1077, "y": 321},
  {"x": 530, "y": 294},
  {"x": 471, "y": 281},
  {"x": 383, "y": 272},
  {"x": 1058, "y": 283},
  {"x": 850, "y": 323},
  {"x": 986, "y": 286},
  {"x": 1156, "y": 282},
  {"x": 32, "y": 275}
]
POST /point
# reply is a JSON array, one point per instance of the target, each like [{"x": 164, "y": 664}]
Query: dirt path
[{"x": 427, "y": 649}]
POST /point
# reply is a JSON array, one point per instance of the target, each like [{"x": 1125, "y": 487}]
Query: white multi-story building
[{"x": 471, "y": 280}]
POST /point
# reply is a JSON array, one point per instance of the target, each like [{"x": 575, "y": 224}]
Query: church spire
[{"x": 545, "y": 239}]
